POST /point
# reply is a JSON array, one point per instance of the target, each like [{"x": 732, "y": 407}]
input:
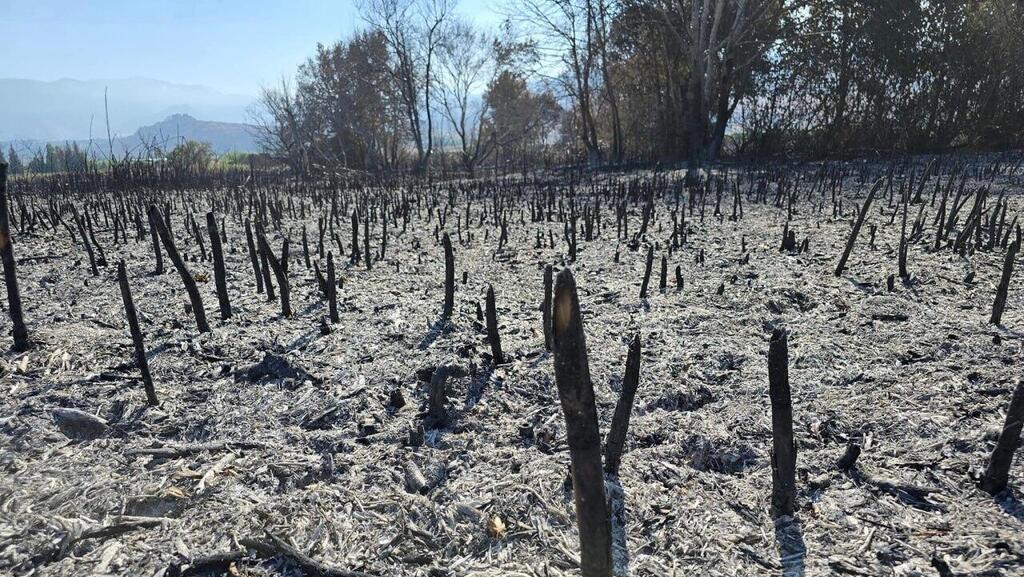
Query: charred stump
[
  {"x": 856, "y": 228},
  {"x": 437, "y": 411},
  {"x": 545, "y": 312},
  {"x": 647, "y": 272},
  {"x": 783, "y": 447},
  {"x": 190, "y": 283},
  {"x": 219, "y": 274},
  {"x": 133, "y": 325},
  {"x": 20, "y": 331},
  {"x": 576, "y": 392},
  {"x": 449, "y": 278},
  {"x": 280, "y": 271},
  {"x": 332, "y": 289},
  {"x": 1004, "y": 284},
  {"x": 997, "y": 474},
  {"x": 492, "y": 327},
  {"x": 157, "y": 253},
  {"x": 616, "y": 440},
  {"x": 253, "y": 256}
]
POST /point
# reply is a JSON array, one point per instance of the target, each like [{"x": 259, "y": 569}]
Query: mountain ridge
[
  {"x": 163, "y": 135},
  {"x": 70, "y": 109}
]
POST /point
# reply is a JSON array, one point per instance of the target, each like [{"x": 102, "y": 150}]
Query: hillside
[{"x": 223, "y": 136}]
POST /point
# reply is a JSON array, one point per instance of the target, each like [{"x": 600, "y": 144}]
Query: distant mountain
[
  {"x": 222, "y": 136},
  {"x": 67, "y": 109},
  {"x": 163, "y": 136}
]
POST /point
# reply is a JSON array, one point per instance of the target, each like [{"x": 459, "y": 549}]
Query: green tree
[
  {"x": 519, "y": 121},
  {"x": 191, "y": 158},
  {"x": 14, "y": 164}
]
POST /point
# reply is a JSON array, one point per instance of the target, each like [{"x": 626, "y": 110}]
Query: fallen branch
[{"x": 183, "y": 450}]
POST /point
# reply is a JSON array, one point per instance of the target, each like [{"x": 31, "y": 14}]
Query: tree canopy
[{"x": 613, "y": 81}]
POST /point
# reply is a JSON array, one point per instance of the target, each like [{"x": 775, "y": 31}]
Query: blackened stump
[
  {"x": 366, "y": 243},
  {"x": 80, "y": 222},
  {"x": 647, "y": 272},
  {"x": 663, "y": 282},
  {"x": 576, "y": 392},
  {"x": 856, "y": 228},
  {"x": 492, "y": 327},
  {"x": 190, "y": 283},
  {"x": 219, "y": 275},
  {"x": 332, "y": 289},
  {"x": 20, "y": 331},
  {"x": 355, "y": 238},
  {"x": 1004, "y": 284},
  {"x": 437, "y": 411},
  {"x": 616, "y": 440},
  {"x": 280, "y": 271},
  {"x": 783, "y": 447},
  {"x": 305, "y": 247},
  {"x": 156, "y": 246},
  {"x": 254, "y": 257},
  {"x": 997, "y": 474},
  {"x": 546, "y": 307},
  {"x": 449, "y": 278},
  {"x": 133, "y": 325}
]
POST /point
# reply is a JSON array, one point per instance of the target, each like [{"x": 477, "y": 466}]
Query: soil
[{"x": 272, "y": 434}]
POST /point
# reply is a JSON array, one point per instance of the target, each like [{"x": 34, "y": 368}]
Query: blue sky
[{"x": 234, "y": 46}]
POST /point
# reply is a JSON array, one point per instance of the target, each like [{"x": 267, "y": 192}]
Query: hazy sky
[{"x": 234, "y": 46}]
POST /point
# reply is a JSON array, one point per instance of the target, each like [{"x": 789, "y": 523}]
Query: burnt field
[{"x": 396, "y": 438}]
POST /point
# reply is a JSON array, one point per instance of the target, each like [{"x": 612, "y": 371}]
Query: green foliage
[
  {"x": 191, "y": 157},
  {"x": 907, "y": 75},
  {"x": 234, "y": 160},
  {"x": 518, "y": 119},
  {"x": 52, "y": 158},
  {"x": 658, "y": 80}
]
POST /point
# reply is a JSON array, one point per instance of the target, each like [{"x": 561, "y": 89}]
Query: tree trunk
[
  {"x": 20, "y": 332},
  {"x": 576, "y": 392}
]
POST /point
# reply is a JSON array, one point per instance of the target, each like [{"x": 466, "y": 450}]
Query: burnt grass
[{"x": 277, "y": 426}]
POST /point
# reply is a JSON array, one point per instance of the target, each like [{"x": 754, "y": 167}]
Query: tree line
[
  {"x": 608, "y": 82},
  {"x": 68, "y": 157},
  {"x": 189, "y": 158}
]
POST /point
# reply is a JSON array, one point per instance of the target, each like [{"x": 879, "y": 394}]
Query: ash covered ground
[{"x": 271, "y": 433}]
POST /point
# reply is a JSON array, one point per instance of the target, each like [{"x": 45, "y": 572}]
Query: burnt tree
[
  {"x": 576, "y": 392},
  {"x": 20, "y": 331},
  {"x": 783, "y": 447},
  {"x": 616, "y": 440},
  {"x": 179, "y": 264},
  {"x": 219, "y": 274},
  {"x": 133, "y": 325}
]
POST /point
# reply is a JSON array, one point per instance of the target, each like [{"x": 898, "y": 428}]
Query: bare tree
[
  {"x": 467, "y": 66},
  {"x": 415, "y": 31},
  {"x": 567, "y": 32},
  {"x": 278, "y": 121},
  {"x": 605, "y": 14}
]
